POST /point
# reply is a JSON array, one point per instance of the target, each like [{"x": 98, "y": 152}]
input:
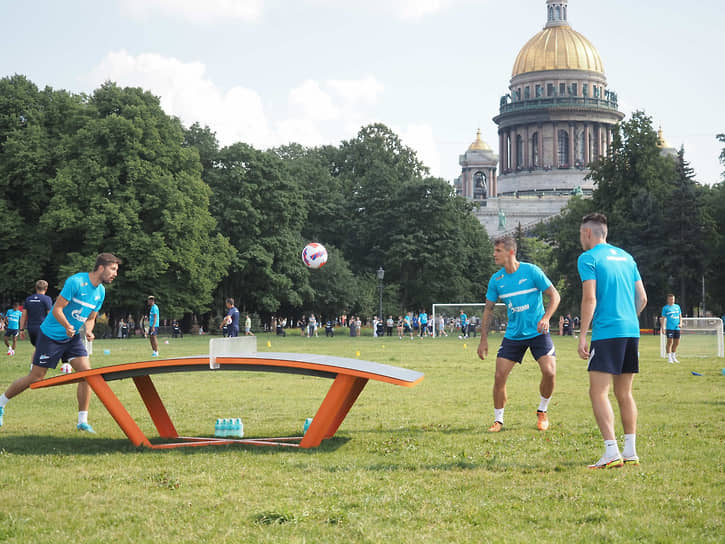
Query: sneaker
[
  {"x": 496, "y": 427},
  {"x": 674, "y": 358},
  {"x": 633, "y": 460},
  {"x": 85, "y": 427},
  {"x": 615, "y": 462},
  {"x": 2, "y": 413},
  {"x": 154, "y": 354},
  {"x": 542, "y": 422},
  {"x": 12, "y": 352}
]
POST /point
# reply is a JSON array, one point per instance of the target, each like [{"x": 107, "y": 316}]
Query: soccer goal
[
  {"x": 450, "y": 313},
  {"x": 699, "y": 337}
]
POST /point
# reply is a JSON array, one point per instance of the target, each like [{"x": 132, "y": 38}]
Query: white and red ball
[
  {"x": 65, "y": 368},
  {"x": 314, "y": 255}
]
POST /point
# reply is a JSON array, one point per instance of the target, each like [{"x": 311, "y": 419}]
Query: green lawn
[{"x": 408, "y": 465}]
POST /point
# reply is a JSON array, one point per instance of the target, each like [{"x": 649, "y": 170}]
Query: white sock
[
  {"x": 669, "y": 357},
  {"x": 544, "y": 404},
  {"x": 498, "y": 415},
  {"x": 82, "y": 417},
  {"x": 612, "y": 450},
  {"x": 3, "y": 400},
  {"x": 630, "y": 445}
]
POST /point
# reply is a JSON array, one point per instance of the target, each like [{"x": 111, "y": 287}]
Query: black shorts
[
  {"x": 614, "y": 355},
  {"x": 33, "y": 334},
  {"x": 673, "y": 333},
  {"x": 48, "y": 351},
  {"x": 11, "y": 332},
  {"x": 514, "y": 350}
]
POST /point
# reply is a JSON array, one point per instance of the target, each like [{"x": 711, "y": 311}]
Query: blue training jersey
[
  {"x": 614, "y": 270},
  {"x": 13, "y": 319},
  {"x": 154, "y": 316},
  {"x": 37, "y": 306},
  {"x": 83, "y": 299},
  {"x": 673, "y": 313},
  {"x": 521, "y": 292}
]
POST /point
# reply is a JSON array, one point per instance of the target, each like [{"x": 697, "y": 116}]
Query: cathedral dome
[
  {"x": 557, "y": 46},
  {"x": 479, "y": 144}
]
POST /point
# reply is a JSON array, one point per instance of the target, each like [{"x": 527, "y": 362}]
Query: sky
[{"x": 271, "y": 72}]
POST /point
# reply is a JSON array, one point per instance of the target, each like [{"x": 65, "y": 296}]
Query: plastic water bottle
[
  {"x": 238, "y": 428},
  {"x": 218, "y": 428},
  {"x": 308, "y": 422}
]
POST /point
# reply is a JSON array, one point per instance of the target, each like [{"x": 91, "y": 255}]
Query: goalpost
[
  {"x": 699, "y": 337},
  {"x": 474, "y": 310}
]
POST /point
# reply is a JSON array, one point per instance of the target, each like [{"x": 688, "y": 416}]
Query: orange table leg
[
  {"x": 117, "y": 411},
  {"x": 155, "y": 406},
  {"x": 339, "y": 399}
]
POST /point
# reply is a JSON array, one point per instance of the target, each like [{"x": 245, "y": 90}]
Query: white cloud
[
  {"x": 196, "y": 11},
  {"x": 235, "y": 115},
  {"x": 318, "y": 112},
  {"x": 419, "y": 137}
]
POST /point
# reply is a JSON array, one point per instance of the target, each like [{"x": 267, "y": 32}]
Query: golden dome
[
  {"x": 661, "y": 142},
  {"x": 479, "y": 144},
  {"x": 558, "y": 48}
]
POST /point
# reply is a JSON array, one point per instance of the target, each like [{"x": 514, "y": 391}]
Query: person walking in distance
[
  {"x": 77, "y": 306},
  {"x": 670, "y": 323},
  {"x": 613, "y": 296},
  {"x": 153, "y": 326},
  {"x": 231, "y": 320},
  {"x": 520, "y": 286},
  {"x": 13, "y": 316},
  {"x": 35, "y": 308}
]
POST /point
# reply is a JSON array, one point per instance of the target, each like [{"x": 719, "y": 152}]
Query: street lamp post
[{"x": 381, "y": 275}]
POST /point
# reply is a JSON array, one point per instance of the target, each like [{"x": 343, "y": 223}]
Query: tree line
[{"x": 195, "y": 222}]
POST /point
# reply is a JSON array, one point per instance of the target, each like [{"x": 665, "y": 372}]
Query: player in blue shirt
[
  {"x": 463, "y": 318},
  {"x": 613, "y": 296},
  {"x": 231, "y": 320},
  {"x": 153, "y": 326},
  {"x": 13, "y": 316},
  {"x": 670, "y": 323},
  {"x": 35, "y": 308},
  {"x": 423, "y": 318},
  {"x": 520, "y": 286},
  {"x": 77, "y": 306}
]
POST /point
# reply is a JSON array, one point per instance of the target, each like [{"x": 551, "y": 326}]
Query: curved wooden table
[{"x": 349, "y": 378}]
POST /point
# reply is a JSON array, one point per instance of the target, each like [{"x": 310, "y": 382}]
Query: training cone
[
  {"x": 106, "y": 352},
  {"x": 269, "y": 344},
  {"x": 465, "y": 346},
  {"x": 357, "y": 354}
]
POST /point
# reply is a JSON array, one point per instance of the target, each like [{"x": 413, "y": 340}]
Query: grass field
[{"x": 408, "y": 465}]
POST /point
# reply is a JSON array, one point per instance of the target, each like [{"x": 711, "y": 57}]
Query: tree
[{"x": 261, "y": 210}]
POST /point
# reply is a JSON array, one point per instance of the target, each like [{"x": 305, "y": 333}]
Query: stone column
[
  {"x": 572, "y": 134},
  {"x": 502, "y": 150},
  {"x": 555, "y": 162},
  {"x": 586, "y": 144},
  {"x": 526, "y": 147}
]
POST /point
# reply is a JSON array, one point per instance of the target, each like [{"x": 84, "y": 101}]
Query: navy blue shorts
[
  {"x": 33, "y": 334},
  {"x": 11, "y": 332},
  {"x": 233, "y": 332},
  {"x": 615, "y": 355},
  {"x": 673, "y": 333},
  {"x": 48, "y": 351},
  {"x": 514, "y": 350},
  {"x": 153, "y": 331}
]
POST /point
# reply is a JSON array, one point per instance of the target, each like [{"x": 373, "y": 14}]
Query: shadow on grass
[{"x": 94, "y": 445}]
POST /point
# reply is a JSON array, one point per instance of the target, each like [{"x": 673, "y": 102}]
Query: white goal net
[
  {"x": 699, "y": 337},
  {"x": 449, "y": 316}
]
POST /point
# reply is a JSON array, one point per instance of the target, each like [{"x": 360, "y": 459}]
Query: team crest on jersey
[{"x": 522, "y": 280}]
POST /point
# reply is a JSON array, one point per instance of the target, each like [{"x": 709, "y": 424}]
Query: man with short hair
[
  {"x": 613, "y": 296},
  {"x": 231, "y": 320},
  {"x": 35, "y": 308},
  {"x": 153, "y": 326},
  {"x": 520, "y": 286},
  {"x": 77, "y": 306},
  {"x": 670, "y": 323}
]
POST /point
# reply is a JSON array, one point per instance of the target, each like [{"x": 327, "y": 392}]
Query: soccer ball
[
  {"x": 65, "y": 368},
  {"x": 314, "y": 255}
]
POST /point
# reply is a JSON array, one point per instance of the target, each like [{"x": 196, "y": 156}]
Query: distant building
[{"x": 556, "y": 119}]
